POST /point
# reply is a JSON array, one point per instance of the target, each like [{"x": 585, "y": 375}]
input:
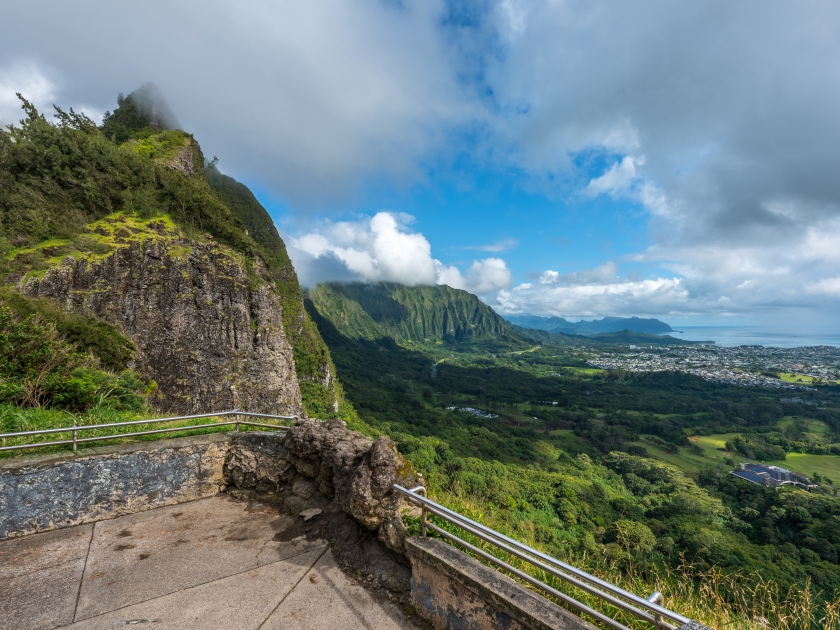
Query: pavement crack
[
  {"x": 84, "y": 570},
  {"x": 189, "y": 588},
  {"x": 291, "y": 590},
  {"x": 260, "y": 552}
]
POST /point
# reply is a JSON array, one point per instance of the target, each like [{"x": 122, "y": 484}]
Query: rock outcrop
[
  {"x": 207, "y": 327},
  {"x": 348, "y": 477}
]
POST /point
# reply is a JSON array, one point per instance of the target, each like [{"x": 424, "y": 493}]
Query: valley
[
  {"x": 551, "y": 448},
  {"x": 149, "y": 282}
]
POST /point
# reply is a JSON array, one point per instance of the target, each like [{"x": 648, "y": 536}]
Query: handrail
[
  {"x": 92, "y": 427},
  {"x": 648, "y": 609}
]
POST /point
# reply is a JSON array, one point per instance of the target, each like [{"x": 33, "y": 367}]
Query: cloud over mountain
[
  {"x": 381, "y": 247},
  {"x": 713, "y": 124}
]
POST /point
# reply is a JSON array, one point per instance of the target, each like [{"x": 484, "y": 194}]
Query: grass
[
  {"x": 534, "y": 349},
  {"x": 816, "y": 427},
  {"x": 740, "y": 601},
  {"x": 582, "y": 370},
  {"x": 804, "y": 379},
  {"x": 806, "y": 464},
  {"x": 13, "y": 419},
  {"x": 691, "y": 463}
]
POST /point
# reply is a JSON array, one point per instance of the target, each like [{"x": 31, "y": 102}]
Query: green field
[
  {"x": 692, "y": 463},
  {"x": 817, "y": 427},
  {"x": 790, "y": 377},
  {"x": 582, "y": 370},
  {"x": 803, "y": 463}
]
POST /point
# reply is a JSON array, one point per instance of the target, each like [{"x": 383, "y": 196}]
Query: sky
[{"x": 580, "y": 159}]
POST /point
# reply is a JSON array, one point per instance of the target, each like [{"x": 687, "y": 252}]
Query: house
[{"x": 770, "y": 475}]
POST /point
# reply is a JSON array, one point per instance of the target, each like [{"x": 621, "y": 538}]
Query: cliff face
[
  {"x": 213, "y": 278},
  {"x": 418, "y": 314},
  {"x": 206, "y": 321}
]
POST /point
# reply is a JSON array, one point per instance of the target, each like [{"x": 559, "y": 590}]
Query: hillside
[
  {"x": 606, "y": 325},
  {"x": 126, "y": 229},
  {"x": 622, "y": 337},
  {"x": 421, "y": 314}
]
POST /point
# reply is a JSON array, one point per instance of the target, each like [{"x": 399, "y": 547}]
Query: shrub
[{"x": 39, "y": 368}]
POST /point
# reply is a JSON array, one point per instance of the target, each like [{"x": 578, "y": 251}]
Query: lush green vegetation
[
  {"x": 419, "y": 314},
  {"x": 572, "y": 462},
  {"x": 38, "y": 368},
  {"x": 58, "y": 178}
]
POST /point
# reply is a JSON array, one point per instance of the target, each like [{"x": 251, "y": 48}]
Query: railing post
[
  {"x": 657, "y": 598},
  {"x": 75, "y": 433},
  {"x": 236, "y": 417}
]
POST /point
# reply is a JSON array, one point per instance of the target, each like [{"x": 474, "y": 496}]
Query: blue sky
[{"x": 581, "y": 159}]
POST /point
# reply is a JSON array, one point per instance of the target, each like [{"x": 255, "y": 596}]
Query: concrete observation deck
[{"x": 214, "y": 563}]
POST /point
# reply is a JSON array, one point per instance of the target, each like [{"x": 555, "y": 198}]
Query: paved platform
[{"x": 208, "y": 564}]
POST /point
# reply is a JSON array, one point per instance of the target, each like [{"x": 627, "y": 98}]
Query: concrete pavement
[{"x": 212, "y": 563}]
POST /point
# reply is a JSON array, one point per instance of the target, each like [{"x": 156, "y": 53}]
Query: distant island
[{"x": 606, "y": 325}]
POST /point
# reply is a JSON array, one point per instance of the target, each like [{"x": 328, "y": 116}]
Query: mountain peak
[{"x": 144, "y": 109}]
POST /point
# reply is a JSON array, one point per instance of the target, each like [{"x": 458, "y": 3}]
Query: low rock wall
[
  {"x": 49, "y": 492},
  {"x": 343, "y": 478},
  {"x": 344, "y": 482}
]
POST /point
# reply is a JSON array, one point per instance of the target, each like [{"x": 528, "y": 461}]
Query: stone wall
[
  {"x": 452, "y": 590},
  {"x": 49, "y": 492},
  {"x": 343, "y": 481}
]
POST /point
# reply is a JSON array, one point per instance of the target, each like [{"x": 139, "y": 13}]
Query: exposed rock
[
  {"x": 346, "y": 477},
  {"x": 207, "y": 329},
  {"x": 311, "y": 513},
  {"x": 257, "y": 460}
]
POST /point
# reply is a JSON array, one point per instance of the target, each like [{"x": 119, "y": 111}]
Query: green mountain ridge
[
  {"x": 622, "y": 337},
  {"x": 419, "y": 314},
  {"x": 583, "y": 327}
]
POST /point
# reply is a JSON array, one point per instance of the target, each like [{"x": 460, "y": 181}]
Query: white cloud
[
  {"x": 482, "y": 277},
  {"x": 501, "y": 245},
  {"x": 594, "y": 299},
  {"x": 826, "y": 286},
  {"x": 31, "y": 80},
  {"x": 312, "y": 98},
  {"x": 618, "y": 177},
  {"x": 381, "y": 248}
]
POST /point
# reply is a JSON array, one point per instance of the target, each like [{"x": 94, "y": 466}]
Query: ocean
[{"x": 758, "y": 336}]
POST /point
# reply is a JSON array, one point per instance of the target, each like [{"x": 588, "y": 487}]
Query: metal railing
[
  {"x": 76, "y": 429},
  {"x": 649, "y": 609}
]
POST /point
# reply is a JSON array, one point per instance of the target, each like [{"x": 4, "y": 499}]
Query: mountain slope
[
  {"x": 185, "y": 264},
  {"x": 418, "y": 314},
  {"x": 606, "y": 325},
  {"x": 622, "y": 337}
]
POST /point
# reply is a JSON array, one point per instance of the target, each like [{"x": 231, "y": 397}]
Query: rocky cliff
[
  {"x": 124, "y": 224},
  {"x": 205, "y": 320}
]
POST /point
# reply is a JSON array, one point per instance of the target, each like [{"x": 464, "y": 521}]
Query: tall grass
[
  {"x": 733, "y": 601},
  {"x": 15, "y": 419}
]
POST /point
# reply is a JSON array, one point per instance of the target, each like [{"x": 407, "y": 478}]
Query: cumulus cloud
[
  {"x": 313, "y": 98},
  {"x": 717, "y": 118},
  {"x": 738, "y": 176},
  {"x": 654, "y": 296},
  {"x": 382, "y": 248},
  {"x": 603, "y": 274},
  {"x": 618, "y": 177}
]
